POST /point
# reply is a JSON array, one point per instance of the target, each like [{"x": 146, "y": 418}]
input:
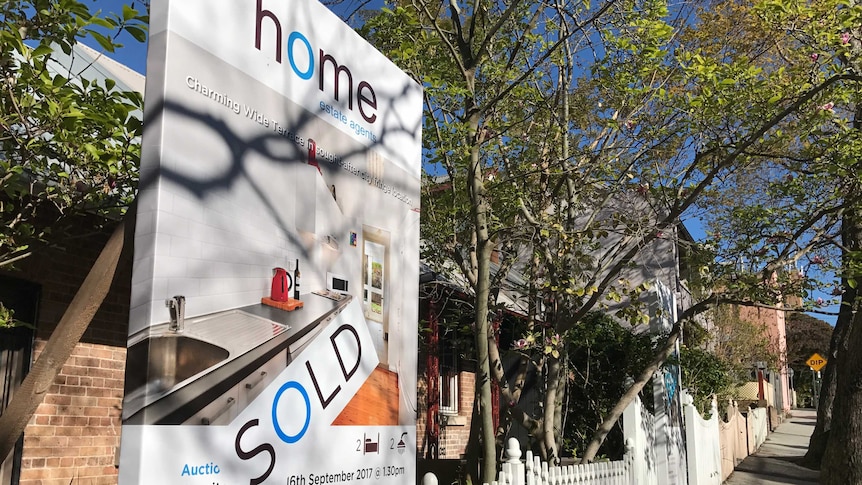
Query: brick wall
[
  {"x": 74, "y": 434},
  {"x": 453, "y": 438}
]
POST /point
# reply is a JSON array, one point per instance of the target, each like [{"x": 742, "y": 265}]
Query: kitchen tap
[{"x": 177, "y": 308}]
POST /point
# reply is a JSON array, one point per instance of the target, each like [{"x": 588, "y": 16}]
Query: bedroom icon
[{"x": 371, "y": 446}]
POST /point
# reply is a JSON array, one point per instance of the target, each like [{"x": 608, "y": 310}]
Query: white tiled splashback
[{"x": 217, "y": 252}]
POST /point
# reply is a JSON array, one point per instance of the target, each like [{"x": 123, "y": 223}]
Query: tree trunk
[
  {"x": 62, "y": 342},
  {"x": 851, "y": 237},
  {"x": 549, "y": 437},
  {"x": 841, "y": 462},
  {"x": 820, "y": 435},
  {"x": 483, "y": 290},
  {"x": 473, "y": 449},
  {"x": 561, "y": 408}
]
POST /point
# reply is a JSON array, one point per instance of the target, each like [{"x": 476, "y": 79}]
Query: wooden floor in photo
[{"x": 376, "y": 403}]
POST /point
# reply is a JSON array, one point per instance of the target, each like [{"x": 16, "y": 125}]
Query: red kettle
[{"x": 281, "y": 284}]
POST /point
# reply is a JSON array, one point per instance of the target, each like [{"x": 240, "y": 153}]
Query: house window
[{"x": 448, "y": 378}]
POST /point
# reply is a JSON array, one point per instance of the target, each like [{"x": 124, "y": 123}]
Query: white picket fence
[
  {"x": 533, "y": 471},
  {"x": 703, "y": 444},
  {"x": 703, "y": 465},
  {"x": 759, "y": 423},
  {"x": 536, "y": 472},
  {"x": 636, "y": 467}
]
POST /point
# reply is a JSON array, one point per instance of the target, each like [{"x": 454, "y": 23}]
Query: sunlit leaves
[{"x": 67, "y": 144}]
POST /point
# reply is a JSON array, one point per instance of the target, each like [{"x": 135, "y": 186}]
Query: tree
[
  {"x": 575, "y": 149},
  {"x": 818, "y": 196},
  {"x": 485, "y": 58},
  {"x": 67, "y": 146}
]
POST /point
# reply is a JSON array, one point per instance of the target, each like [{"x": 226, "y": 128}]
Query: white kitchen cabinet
[
  {"x": 219, "y": 412},
  {"x": 228, "y": 406},
  {"x": 256, "y": 382}
]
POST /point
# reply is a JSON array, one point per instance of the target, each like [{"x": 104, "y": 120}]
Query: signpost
[
  {"x": 816, "y": 362},
  {"x": 278, "y": 143}
]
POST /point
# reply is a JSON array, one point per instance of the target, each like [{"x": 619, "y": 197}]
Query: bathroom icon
[{"x": 401, "y": 446}]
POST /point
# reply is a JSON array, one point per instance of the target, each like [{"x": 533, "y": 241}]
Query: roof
[{"x": 91, "y": 64}]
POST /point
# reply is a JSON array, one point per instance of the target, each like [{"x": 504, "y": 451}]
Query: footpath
[{"x": 774, "y": 463}]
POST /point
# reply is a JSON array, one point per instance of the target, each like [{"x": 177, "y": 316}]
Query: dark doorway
[{"x": 16, "y": 351}]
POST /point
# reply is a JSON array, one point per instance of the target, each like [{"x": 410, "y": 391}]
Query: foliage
[
  {"x": 706, "y": 377},
  {"x": 603, "y": 357},
  {"x": 806, "y": 335},
  {"x": 798, "y": 215},
  {"x": 739, "y": 342},
  {"x": 7, "y": 317},
  {"x": 68, "y": 144},
  {"x": 573, "y": 150}
]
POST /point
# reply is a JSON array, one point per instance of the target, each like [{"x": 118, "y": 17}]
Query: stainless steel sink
[
  {"x": 168, "y": 359},
  {"x": 161, "y": 362}
]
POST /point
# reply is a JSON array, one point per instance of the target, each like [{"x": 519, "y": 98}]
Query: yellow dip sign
[{"x": 816, "y": 362}]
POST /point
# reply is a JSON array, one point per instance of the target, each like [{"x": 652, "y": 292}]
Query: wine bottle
[{"x": 296, "y": 276}]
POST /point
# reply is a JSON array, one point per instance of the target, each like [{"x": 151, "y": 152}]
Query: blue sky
[{"x": 134, "y": 55}]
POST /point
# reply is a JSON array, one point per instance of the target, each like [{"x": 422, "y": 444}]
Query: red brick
[
  {"x": 95, "y": 411},
  {"x": 75, "y": 431},
  {"x": 99, "y": 391},
  {"x": 70, "y": 410},
  {"x": 112, "y": 364},
  {"x": 72, "y": 390},
  {"x": 40, "y": 431},
  {"x": 85, "y": 401},
  {"x": 97, "y": 372},
  {"x": 46, "y": 409},
  {"x": 87, "y": 361},
  {"x": 114, "y": 383},
  {"x": 75, "y": 370},
  {"x": 107, "y": 353},
  {"x": 68, "y": 431}
]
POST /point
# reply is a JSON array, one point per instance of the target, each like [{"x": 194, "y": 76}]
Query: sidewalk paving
[{"x": 774, "y": 463}]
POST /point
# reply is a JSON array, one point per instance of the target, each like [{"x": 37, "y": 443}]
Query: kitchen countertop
[{"x": 187, "y": 398}]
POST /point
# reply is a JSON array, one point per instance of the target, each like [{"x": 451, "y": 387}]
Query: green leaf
[
  {"x": 103, "y": 22},
  {"x": 129, "y": 13},
  {"x": 137, "y": 33},
  {"x": 103, "y": 41}
]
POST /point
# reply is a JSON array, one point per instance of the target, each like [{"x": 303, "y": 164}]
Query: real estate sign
[{"x": 273, "y": 323}]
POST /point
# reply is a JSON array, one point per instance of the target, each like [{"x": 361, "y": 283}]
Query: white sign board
[{"x": 273, "y": 323}]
